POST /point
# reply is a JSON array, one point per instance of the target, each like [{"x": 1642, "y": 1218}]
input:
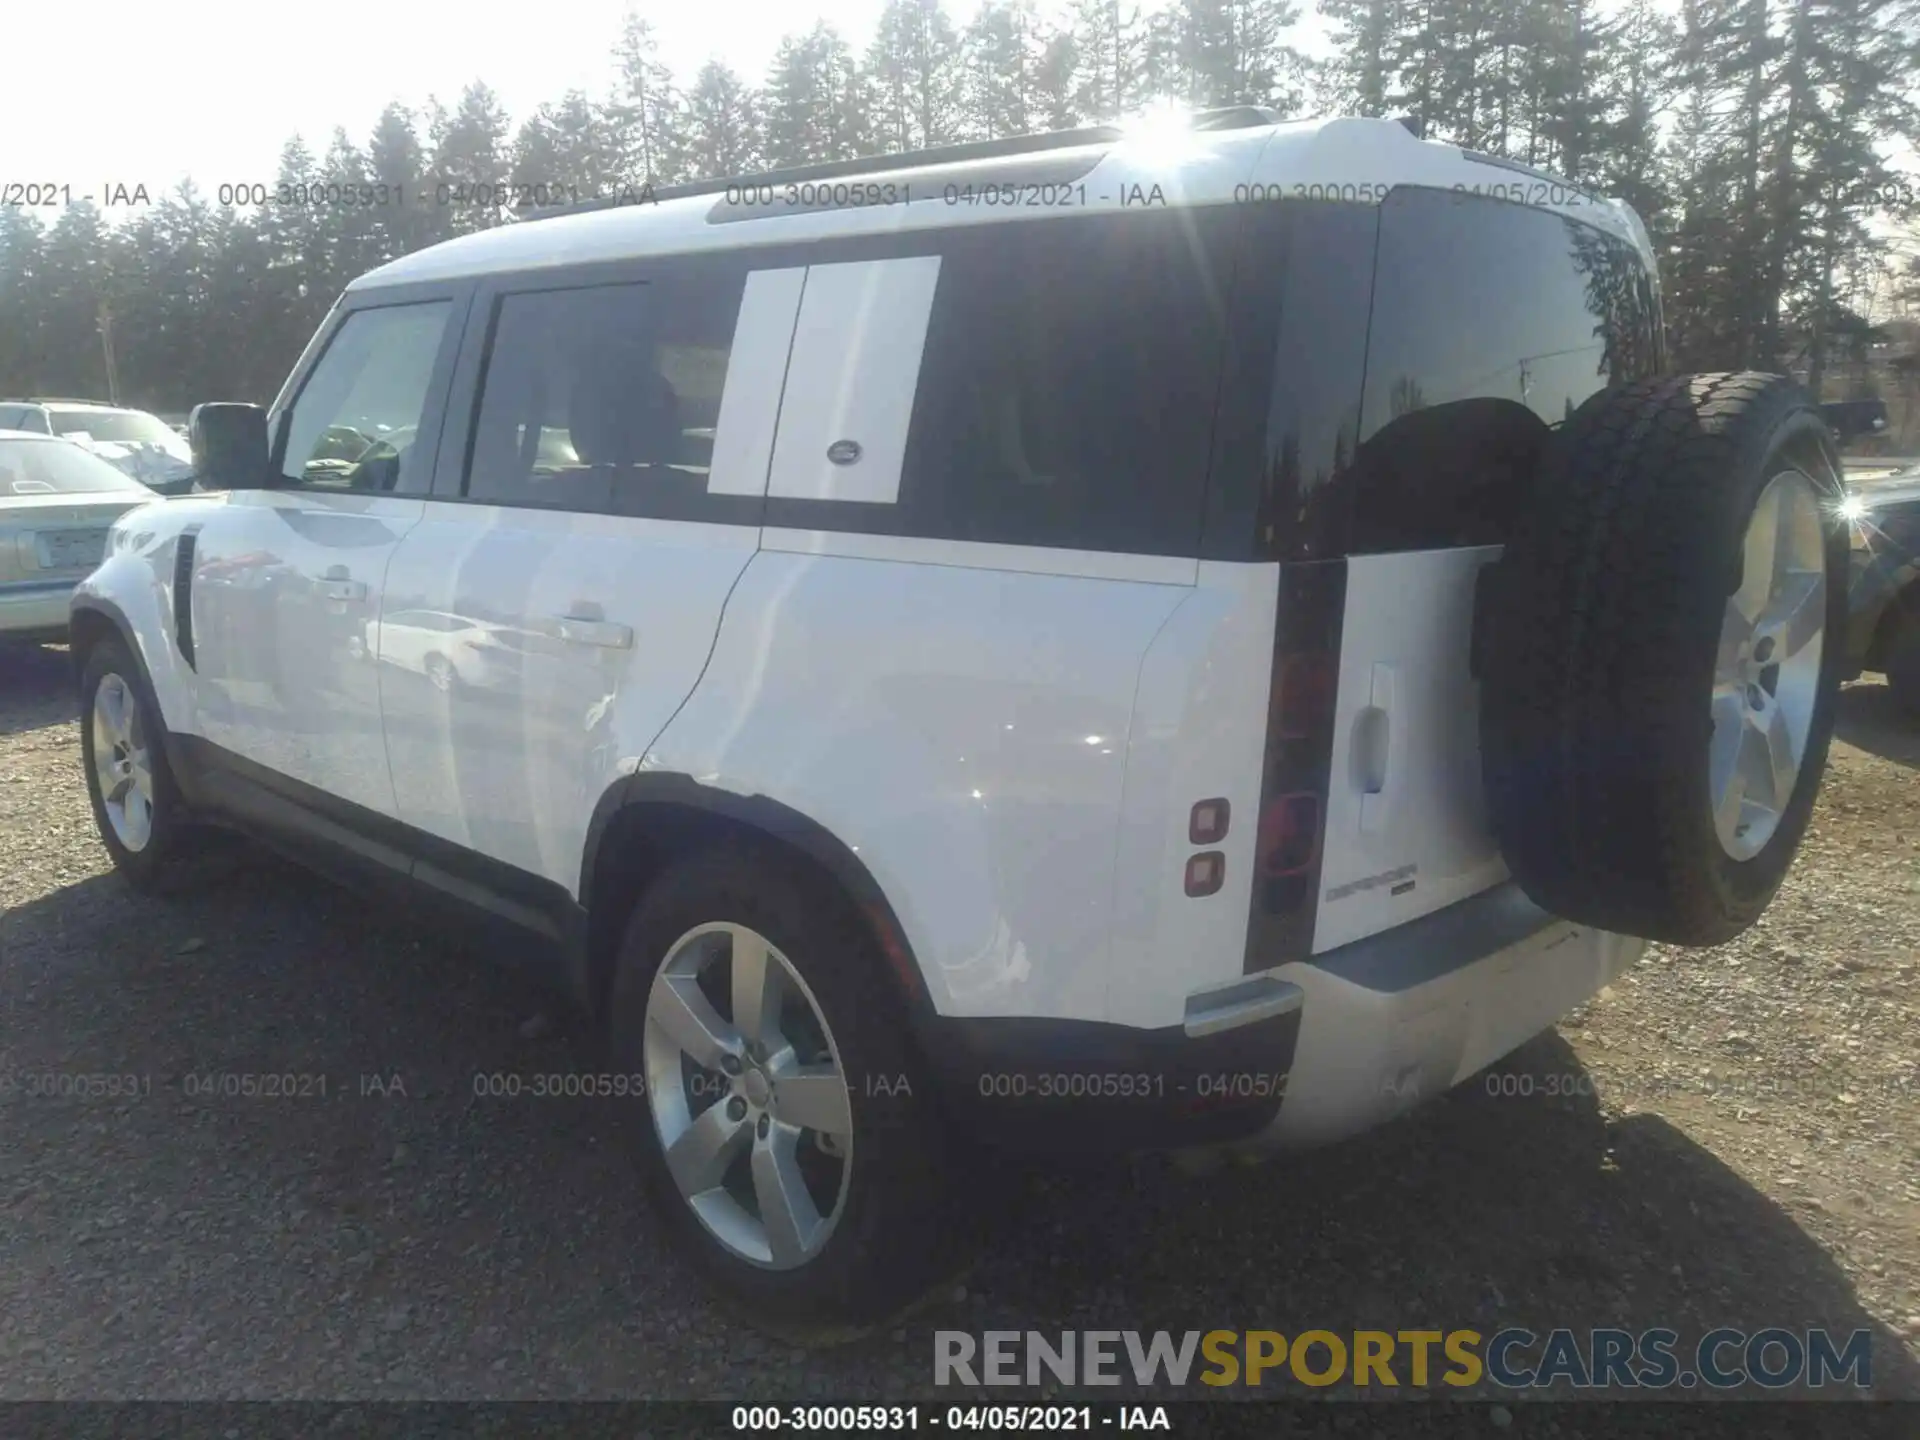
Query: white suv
[{"x": 1011, "y": 644}]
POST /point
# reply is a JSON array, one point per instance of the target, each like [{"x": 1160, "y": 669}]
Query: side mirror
[{"x": 229, "y": 444}]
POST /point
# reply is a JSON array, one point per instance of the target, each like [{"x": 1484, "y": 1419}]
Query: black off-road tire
[
  {"x": 902, "y": 1230},
  {"x": 1599, "y": 640},
  {"x": 175, "y": 841},
  {"x": 1903, "y": 664}
]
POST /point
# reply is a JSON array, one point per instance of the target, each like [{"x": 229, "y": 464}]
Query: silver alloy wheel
[
  {"x": 752, "y": 1108},
  {"x": 1767, "y": 671},
  {"x": 121, "y": 763}
]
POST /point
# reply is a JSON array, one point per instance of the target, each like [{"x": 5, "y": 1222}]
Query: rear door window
[{"x": 607, "y": 397}]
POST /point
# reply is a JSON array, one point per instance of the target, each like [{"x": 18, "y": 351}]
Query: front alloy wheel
[{"x": 122, "y": 767}]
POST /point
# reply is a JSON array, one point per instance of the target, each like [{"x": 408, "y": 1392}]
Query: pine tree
[
  {"x": 643, "y": 112},
  {"x": 470, "y": 161},
  {"x": 913, "y": 69},
  {"x": 814, "y": 106},
  {"x": 1112, "y": 38},
  {"x": 722, "y": 126},
  {"x": 1362, "y": 32}
]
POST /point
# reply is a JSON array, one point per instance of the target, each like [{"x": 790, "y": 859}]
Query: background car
[
  {"x": 448, "y": 649},
  {"x": 141, "y": 445},
  {"x": 57, "y": 500},
  {"x": 1883, "y": 592}
]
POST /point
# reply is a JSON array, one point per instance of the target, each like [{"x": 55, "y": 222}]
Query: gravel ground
[{"x": 1728, "y": 1137}]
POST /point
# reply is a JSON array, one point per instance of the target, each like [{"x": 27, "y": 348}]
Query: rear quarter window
[{"x": 1491, "y": 323}]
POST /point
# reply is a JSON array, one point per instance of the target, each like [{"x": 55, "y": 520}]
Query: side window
[
  {"x": 356, "y": 419},
  {"x": 606, "y": 397},
  {"x": 11, "y": 416},
  {"x": 1492, "y": 322},
  {"x": 1069, "y": 380},
  {"x": 35, "y": 419}
]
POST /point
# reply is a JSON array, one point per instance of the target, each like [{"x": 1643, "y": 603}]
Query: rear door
[
  {"x": 1490, "y": 323},
  {"x": 599, "y": 496}
]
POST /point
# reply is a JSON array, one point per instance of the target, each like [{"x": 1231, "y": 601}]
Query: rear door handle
[
  {"x": 579, "y": 630},
  {"x": 1377, "y": 774}
]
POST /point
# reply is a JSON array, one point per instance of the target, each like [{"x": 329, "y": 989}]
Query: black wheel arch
[{"x": 644, "y": 822}]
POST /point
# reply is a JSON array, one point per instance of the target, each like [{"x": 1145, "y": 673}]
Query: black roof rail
[
  {"x": 55, "y": 400},
  {"x": 1230, "y": 117}
]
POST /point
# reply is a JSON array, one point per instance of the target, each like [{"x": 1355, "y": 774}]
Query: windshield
[
  {"x": 49, "y": 467},
  {"x": 119, "y": 427}
]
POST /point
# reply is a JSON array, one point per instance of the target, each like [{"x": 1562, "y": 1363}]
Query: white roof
[{"x": 1357, "y": 159}]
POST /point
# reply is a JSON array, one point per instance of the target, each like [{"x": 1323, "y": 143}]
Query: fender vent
[{"x": 183, "y": 593}]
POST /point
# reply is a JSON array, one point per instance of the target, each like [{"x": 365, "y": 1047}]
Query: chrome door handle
[
  {"x": 344, "y": 589},
  {"x": 582, "y": 631}
]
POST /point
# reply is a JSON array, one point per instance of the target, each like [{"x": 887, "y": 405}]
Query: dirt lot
[{"x": 1733, "y": 1138}]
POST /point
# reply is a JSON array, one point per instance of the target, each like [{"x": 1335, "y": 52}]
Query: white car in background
[
  {"x": 450, "y": 650},
  {"x": 57, "y": 502},
  {"x": 132, "y": 441}
]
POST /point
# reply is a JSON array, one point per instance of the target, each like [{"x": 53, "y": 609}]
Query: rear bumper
[
  {"x": 35, "y": 611},
  {"x": 1301, "y": 1055}
]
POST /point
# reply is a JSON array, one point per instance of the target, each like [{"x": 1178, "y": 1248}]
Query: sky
[{"x": 155, "y": 92}]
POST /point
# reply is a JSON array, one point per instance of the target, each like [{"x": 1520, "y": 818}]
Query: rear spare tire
[{"x": 1660, "y": 655}]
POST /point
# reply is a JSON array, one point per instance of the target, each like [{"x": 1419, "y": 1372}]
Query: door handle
[
  {"x": 1376, "y": 770},
  {"x": 344, "y": 589},
  {"x": 582, "y": 630}
]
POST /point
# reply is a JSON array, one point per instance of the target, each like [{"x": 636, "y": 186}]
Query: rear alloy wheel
[
  {"x": 752, "y": 1112},
  {"x": 1660, "y": 656},
  {"x": 789, "y": 1135}
]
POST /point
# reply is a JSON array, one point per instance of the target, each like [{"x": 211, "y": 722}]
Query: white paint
[
  {"x": 1404, "y": 650},
  {"x": 852, "y": 376},
  {"x": 756, "y": 372}
]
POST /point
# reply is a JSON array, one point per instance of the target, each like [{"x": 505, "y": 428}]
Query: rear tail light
[
  {"x": 1289, "y": 834},
  {"x": 1304, "y": 694}
]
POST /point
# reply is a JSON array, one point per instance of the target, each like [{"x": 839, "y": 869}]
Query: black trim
[
  {"x": 183, "y": 592},
  {"x": 781, "y": 822},
  {"x": 1423, "y": 950},
  {"x": 1014, "y": 1081},
  {"x": 1309, "y": 618},
  {"x": 360, "y": 847}
]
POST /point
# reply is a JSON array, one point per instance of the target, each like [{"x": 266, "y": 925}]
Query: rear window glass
[{"x": 42, "y": 467}]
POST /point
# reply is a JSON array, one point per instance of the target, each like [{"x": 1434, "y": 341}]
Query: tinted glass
[
  {"x": 606, "y": 397},
  {"x": 49, "y": 467},
  {"x": 359, "y": 413},
  {"x": 35, "y": 419},
  {"x": 1491, "y": 323},
  {"x": 1067, "y": 389},
  {"x": 10, "y": 417}
]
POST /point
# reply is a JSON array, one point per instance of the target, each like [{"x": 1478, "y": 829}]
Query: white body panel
[
  {"x": 1199, "y": 733},
  {"x": 1365, "y": 1055},
  {"x": 609, "y": 622},
  {"x": 854, "y": 368},
  {"x": 284, "y": 585},
  {"x": 970, "y": 746},
  {"x": 1420, "y": 840}
]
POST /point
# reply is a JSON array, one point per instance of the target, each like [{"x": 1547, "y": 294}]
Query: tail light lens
[
  {"x": 1289, "y": 834},
  {"x": 1307, "y": 679}
]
